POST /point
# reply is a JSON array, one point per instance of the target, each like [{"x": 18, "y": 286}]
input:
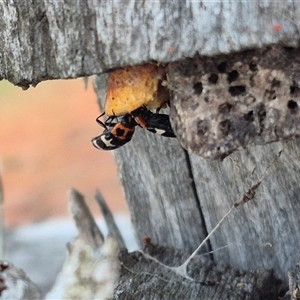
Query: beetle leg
[{"x": 100, "y": 122}]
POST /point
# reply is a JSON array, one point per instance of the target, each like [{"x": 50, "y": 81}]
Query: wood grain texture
[
  {"x": 67, "y": 39},
  {"x": 174, "y": 198},
  {"x": 139, "y": 274},
  {"x": 264, "y": 232}
]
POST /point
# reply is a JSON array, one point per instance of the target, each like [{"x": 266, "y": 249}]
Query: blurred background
[{"x": 45, "y": 149}]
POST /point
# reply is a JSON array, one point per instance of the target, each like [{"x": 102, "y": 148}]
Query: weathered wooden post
[{"x": 233, "y": 74}]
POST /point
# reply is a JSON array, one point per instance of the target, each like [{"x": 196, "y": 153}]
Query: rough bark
[
  {"x": 231, "y": 102},
  {"x": 46, "y": 39},
  {"x": 176, "y": 197},
  {"x": 140, "y": 273}
]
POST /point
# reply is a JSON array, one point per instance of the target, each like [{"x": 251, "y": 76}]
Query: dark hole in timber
[
  {"x": 237, "y": 90},
  {"x": 249, "y": 116},
  {"x": 232, "y": 76},
  {"x": 294, "y": 88},
  {"x": 275, "y": 83},
  {"x": 222, "y": 67},
  {"x": 253, "y": 67},
  {"x": 198, "y": 87},
  {"x": 213, "y": 78},
  {"x": 292, "y": 105},
  {"x": 289, "y": 49}
]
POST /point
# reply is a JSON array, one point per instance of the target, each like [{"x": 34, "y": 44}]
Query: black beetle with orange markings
[
  {"x": 153, "y": 122},
  {"x": 117, "y": 134}
]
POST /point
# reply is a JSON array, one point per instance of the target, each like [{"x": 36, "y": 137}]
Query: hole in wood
[
  {"x": 253, "y": 67},
  {"x": 222, "y": 67},
  {"x": 213, "y": 78},
  {"x": 237, "y": 90},
  {"x": 294, "y": 88},
  {"x": 198, "y": 88},
  {"x": 275, "y": 83},
  {"x": 292, "y": 105},
  {"x": 232, "y": 76},
  {"x": 249, "y": 116}
]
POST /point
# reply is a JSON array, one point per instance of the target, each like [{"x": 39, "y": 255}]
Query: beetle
[
  {"x": 153, "y": 122},
  {"x": 115, "y": 134}
]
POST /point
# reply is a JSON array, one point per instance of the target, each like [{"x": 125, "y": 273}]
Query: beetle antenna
[{"x": 100, "y": 122}]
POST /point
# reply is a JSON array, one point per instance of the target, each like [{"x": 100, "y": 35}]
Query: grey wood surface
[
  {"x": 174, "y": 197},
  {"x": 264, "y": 232},
  {"x": 159, "y": 178},
  {"x": 66, "y": 39},
  {"x": 231, "y": 102},
  {"x": 139, "y": 273}
]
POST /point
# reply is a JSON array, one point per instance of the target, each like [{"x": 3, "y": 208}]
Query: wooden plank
[
  {"x": 264, "y": 233},
  {"x": 67, "y": 39},
  {"x": 212, "y": 281}
]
